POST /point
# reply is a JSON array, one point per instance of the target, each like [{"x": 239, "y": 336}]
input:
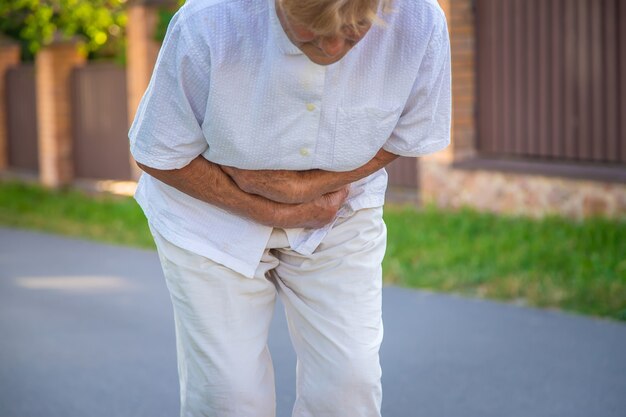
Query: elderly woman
[{"x": 263, "y": 137}]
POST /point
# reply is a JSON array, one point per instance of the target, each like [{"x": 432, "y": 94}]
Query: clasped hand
[
  {"x": 282, "y": 186},
  {"x": 309, "y": 198},
  {"x": 304, "y": 198}
]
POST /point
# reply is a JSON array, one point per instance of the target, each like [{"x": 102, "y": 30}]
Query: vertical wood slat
[
  {"x": 557, "y": 141},
  {"x": 491, "y": 19},
  {"x": 622, "y": 79},
  {"x": 483, "y": 60},
  {"x": 570, "y": 78},
  {"x": 597, "y": 131},
  {"x": 518, "y": 76},
  {"x": 584, "y": 109},
  {"x": 505, "y": 53},
  {"x": 544, "y": 64},
  {"x": 497, "y": 122},
  {"x": 610, "y": 80},
  {"x": 532, "y": 49}
]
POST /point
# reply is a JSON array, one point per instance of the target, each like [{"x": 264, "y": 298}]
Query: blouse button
[
  {"x": 310, "y": 106},
  {"x": 304, "y": 152}
]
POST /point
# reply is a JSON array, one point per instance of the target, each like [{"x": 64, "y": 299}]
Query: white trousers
[{"x": 332, "y": 302}]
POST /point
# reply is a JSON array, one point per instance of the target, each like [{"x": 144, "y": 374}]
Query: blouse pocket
[{"x": 360, "y": 132}]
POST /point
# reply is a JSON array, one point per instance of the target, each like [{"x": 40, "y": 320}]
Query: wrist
[
  {"x": 270, "y": 213},
  {"x": 320, "y": 182}
]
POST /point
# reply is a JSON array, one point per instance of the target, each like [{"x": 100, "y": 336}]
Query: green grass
[
  {"x": 554, "y": 262},
  {"x": 106, "y": 218}
]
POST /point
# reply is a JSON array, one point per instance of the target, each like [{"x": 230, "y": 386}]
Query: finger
[{"x": 344, "y": 196}]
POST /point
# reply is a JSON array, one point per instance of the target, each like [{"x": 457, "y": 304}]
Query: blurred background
[
  {"x": 536, "y": 170},
  {"x": 539, "y": 90},
  {"x": 527, "y": 206}
]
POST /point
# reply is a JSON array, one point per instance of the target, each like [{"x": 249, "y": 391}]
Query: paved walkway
[{"x": 87, "y": 330}]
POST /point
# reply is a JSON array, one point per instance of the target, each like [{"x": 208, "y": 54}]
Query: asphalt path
[{"x": 86, "y": 329}]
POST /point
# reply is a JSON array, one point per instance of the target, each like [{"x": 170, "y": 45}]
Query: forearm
[
  {"x": 205, "y": 181},
  {"x": 287, "y": 186},
  {"x": 329, "y": 180}
]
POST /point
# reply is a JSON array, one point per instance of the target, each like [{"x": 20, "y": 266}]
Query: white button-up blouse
[{"x": 229, "y": 85}]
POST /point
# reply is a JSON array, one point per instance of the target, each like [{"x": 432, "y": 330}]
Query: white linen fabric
[
  {"x": 332, "y": 300},
  {"x": 230, "y": 86}
]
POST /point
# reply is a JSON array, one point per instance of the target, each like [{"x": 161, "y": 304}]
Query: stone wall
[{"x": 514, "y": 193}]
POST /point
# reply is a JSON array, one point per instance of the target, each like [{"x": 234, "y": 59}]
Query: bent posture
[{"x": 263, "y": 137}]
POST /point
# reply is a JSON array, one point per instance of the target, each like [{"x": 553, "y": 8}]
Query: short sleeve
[
  {"x": 166, "y": 132},
  {"x": 424, "y": 125}
]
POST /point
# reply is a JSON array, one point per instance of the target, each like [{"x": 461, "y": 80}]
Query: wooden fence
[
  {"x": 22, "y": 118},
  {"x": 552, "y": 79},
  {"x": 100, "y": 126},
  {"x": 99, "y": 122}
]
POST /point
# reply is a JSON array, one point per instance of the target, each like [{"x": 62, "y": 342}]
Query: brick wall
[
  {"x": 9, "y": 57},
  {"x": 53, "y": 67},
  {"x": 461, "y": 28},
  {"x": 141, "y": 53}
]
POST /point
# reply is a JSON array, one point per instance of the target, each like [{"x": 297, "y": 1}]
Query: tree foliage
[
  {"x": 34, "y": 23},
  {"x": 164, "y": 17}
]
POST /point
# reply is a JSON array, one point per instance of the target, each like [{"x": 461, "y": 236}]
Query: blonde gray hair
[{"x": 329, "y": 17}]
